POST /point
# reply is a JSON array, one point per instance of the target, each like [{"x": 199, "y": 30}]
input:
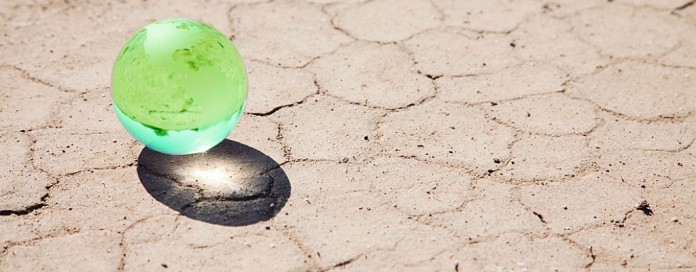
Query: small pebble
[
  {"x": 642, "y": 205},
  {"x": 674, "y": 219}
]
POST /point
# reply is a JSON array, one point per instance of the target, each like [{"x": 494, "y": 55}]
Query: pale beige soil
[{"x": 395, "y": 135}]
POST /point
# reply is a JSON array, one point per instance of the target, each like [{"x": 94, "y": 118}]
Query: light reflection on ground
[{"x": 231, "y": 184}]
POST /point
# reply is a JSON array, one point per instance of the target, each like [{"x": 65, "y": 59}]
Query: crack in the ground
[
  {"x": 306, "y": 252},
  {"x": 593, "y": 256},
  {"x": 369, "y": 105},
  {"x": 26, "y": 75},
  {"x": 124, "y": 246},
  {"x": 26, "y": 210},
  {"x": 374, "y": 107},
  {"x": 43, "y": 199},
  {"x": 312, "y": 59},
  {"x": 290, "y": 105},
  {"x": 113, "y": 167},
  {"x": 7, "y": 246},
  {"x": 659, "y": 118},
  {"x": 343, "y": 263},
  {"x": 685, "y": 5},
  {"x": 335, "y": 26},
  {"x": 541, "y": 217},
  {"x": 523, "y": 131}
]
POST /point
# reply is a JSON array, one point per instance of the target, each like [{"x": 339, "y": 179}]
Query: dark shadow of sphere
[{"x": 231, "y": 184}]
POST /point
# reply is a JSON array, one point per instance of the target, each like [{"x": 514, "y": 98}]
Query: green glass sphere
[{"x": 179, "y": 86}]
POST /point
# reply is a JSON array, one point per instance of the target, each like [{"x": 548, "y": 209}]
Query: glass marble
[{"x": 179, "y": 86}]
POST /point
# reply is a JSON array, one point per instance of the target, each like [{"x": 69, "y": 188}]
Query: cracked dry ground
[{"x": 416, "y": 135}]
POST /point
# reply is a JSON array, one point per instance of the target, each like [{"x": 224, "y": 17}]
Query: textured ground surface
[{"x": 415, "y": 135}]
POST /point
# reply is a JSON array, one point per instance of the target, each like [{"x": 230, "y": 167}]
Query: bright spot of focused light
[{"x": 213, "y": 178}]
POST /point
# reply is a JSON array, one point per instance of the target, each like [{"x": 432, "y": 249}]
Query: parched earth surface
[{"x": 401, "y": 135}]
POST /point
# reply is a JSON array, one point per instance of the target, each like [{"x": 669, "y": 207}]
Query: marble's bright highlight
[{"x": 179, "y": 86}]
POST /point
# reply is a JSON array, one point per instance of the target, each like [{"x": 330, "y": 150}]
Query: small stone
[
  {"x": 642, "y": 205},
  {"x": 674, "y": 219}
]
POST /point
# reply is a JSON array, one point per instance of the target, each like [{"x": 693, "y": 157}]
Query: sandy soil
[{"x": 423, "y": 135}]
